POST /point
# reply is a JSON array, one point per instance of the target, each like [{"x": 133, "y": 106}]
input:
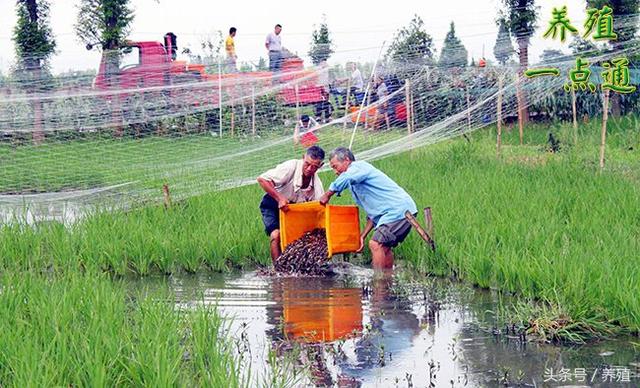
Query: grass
[
  {"x": 187, "y": 163},
  {"x": 547, "y": 227},
  {"x": 85, "y": 330}
]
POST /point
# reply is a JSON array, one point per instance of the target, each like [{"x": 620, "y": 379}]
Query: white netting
[{"x": 75, "y": 144}]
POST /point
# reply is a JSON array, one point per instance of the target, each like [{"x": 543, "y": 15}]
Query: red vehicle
[{"x": 153, "y": 66}]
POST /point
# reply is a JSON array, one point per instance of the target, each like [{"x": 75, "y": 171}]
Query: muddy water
[{"x": 360, "y": 329}]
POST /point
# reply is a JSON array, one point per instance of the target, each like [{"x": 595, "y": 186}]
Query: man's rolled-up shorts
[
  {"x": 270, "y": 214},
  {"x": 393, "y": 233}
]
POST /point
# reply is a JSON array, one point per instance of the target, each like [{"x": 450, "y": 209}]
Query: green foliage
[
  {"x": 453, "y": 54},
  {"x": 412, "y": 44},
  {"x": 34, "y": 42},
  {"x": 104, "y": 22},
  {"x": 520, "y": 18},
  {"x": 262, "y": 65},
  {"x": 321, "y": 43},
  {"x": 503, "y": 49}
]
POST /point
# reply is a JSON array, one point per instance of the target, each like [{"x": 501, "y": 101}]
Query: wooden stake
[
  {"x": 605, "y": 114},
  {"x": 416, "y": 225},
  {"x": 253, "y": 110},
  {"x": 166, "y": 195},
  {"x": 233, "y": 118},
  {"x": 429, "y": 221},
  {"x": 220, "y": 95},
  {"x": 366, "y": 111},
  {"x": 413, "y": 110},
  {"x": 297, "y": 104},
  {"x": 346, "y": 104},
  {"x": 575, "y": 116},
  {"x": 520, "y": 108},
  {"x": 499, "y": 114},
  {"x": 407, "y": 103},
  {"x": 468, "y": 112}
]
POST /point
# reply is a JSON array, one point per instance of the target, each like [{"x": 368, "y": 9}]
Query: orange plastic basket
[{"x": 341, "y": 224}]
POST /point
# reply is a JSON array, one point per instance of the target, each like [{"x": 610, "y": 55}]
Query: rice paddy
[{"x": 548, "y": 227}]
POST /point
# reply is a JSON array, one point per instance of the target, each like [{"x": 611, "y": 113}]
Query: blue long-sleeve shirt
[{"x": 380, "y": 197}]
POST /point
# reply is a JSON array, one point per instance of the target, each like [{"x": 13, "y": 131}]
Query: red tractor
[{"x": 152, "y": 66}]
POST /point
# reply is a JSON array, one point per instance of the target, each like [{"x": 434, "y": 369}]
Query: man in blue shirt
[{"x": 384, "y": 202}]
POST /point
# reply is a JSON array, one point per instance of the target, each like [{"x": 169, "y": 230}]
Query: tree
[
  {"x": 262, "y": 65},
  {"x": 34, "y": 45},
  {"x": 503, "y": 49},
  {"x": 453, "y": 54},
  {"x": 520, "y": 18},
  {"x": 321, "y": 44},
  {"x": 105, "y": 24},
  {"x": 412, "y": 44}
]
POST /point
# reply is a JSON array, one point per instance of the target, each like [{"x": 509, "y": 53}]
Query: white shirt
[
  {"x": 274, "y": 42},
  {"x": 323, "y": 76},
  {"x": 356, "y": 80},
  {"x": 287, "y": 179}
]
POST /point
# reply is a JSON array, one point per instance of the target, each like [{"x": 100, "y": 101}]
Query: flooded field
[{"x": 360, "y": 329}]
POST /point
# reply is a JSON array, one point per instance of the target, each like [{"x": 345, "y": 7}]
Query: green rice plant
[{"x": 86, "y": 330}]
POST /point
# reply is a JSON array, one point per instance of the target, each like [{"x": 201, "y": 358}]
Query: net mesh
[{"x": 77, "y": 143}]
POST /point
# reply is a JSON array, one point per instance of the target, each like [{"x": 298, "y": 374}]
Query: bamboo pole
[
  {"x": 605, "y": 114},
  {"x": 346, "y": 104},
  {"x": 297, "y": 103},
  {"x": 366, "y": 92},
  {"x": 166, "y": 196},
  {"x": 366, "y": 113},
  {"x": 468, "y": 111},
  {"x": 233, "y": 118},
  {"x": 499, "y": 114},
  {"x": 220, "y": 96},
  {"x": 416, "y": 225},
  {"x": 253, "y": 110},
  {"x": 429, "y": 221},
  {"x": 575, "y": 116},
  {"x": 520, "y": 108},
  {"x": 407, "y": 102},
  {"x": 412, "y": 105}
]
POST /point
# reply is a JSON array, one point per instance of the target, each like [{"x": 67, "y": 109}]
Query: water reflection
[{"x": 363, "y": 329}]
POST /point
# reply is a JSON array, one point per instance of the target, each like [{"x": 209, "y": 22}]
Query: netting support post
[
  {"x": 233, "y": 118},
  {"x": 429, "y": 221},
  {"x": 166, "y": 196},
  {"x": 253, "y": 109},
  {"x": 520, "y": 107},
  {"x": 605, "y": 115},
  {"x": 407, "y": 101},
  {"x": 297, "y": 103},
  {"x": 346, "y": 104},
  {"x": 220, "y": 96},
  {"x": 468, "y": 112},
  {"x": 575, "y": 116},
  {"x": 499, "y": 116},
  {"x": 416, "y": 225}
]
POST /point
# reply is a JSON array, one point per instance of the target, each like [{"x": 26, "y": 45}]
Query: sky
[{"x": 358, "y": 29}]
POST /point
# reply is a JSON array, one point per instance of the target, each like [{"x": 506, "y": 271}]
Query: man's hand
[
  {"x": 324, "y": 200},
  {"x": 283, "y": 204}
]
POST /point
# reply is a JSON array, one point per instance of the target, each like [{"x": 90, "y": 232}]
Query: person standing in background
[
  {"x": 230, "y": 47},
  {"x": 273, "y": 44}
]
